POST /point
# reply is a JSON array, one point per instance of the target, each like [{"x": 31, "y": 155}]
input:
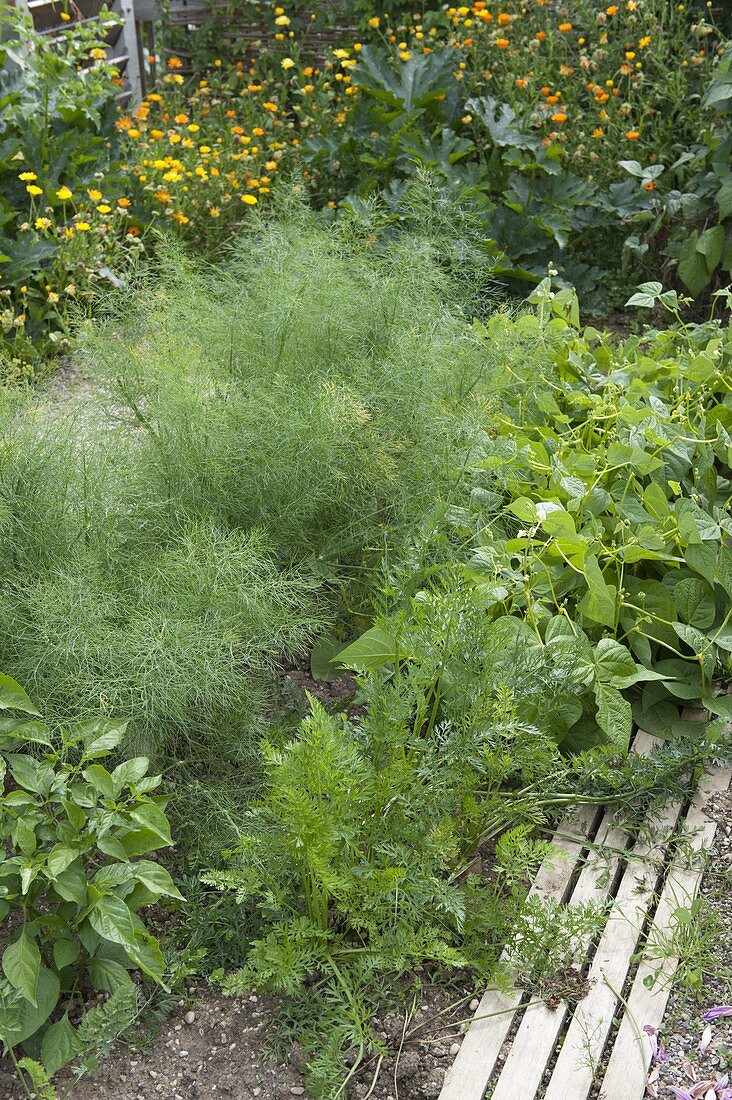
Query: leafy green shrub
[
  {"x": 594, "y": 512},
  {"x": 73, "y": 884},
  {"x": 61, "y": 226},
  {"x": 358, "y": 856}
]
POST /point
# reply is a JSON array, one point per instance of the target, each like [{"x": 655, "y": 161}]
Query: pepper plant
[{"x": 73, "y": 883}]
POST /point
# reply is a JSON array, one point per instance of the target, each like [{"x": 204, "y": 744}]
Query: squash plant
[{"x": 73, "y": 883}]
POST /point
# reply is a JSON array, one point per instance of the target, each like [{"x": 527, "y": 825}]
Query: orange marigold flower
[
  {"x": 565, "y": 28},
  {"x": 124, "y": 203},
  {"x": 598, "y": 132},
  {"x": 612, "y": 10},
  {"x": 649, "y": 185},
  {"x": 632, "y": 135},
  {"x": 504, "y": 18},
  {"x": 175, "y": 63},
  {"x": 502, "y": 43},
  {"x": 559, "y": 116},
  {"x": 541, "y": 35}
]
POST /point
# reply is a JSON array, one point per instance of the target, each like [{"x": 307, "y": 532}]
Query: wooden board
[
  {"x": 470, "y": 1072},
  {"x": 582, "y": 1039}
]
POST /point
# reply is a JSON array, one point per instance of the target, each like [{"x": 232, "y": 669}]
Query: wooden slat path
[{"x": 582, "y": 1038}]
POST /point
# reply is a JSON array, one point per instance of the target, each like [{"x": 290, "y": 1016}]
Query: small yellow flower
[
  {"x": 66, "y": 18},
  {"x": 103, "y": 208},
  {"x": 52, "y": 297},
  {"x": 33, "y": 190},
  {"x": 287, "y": 63},
  {"x": 94, "y": 194},
  {"x": 250, "y": 200},
  {"x": 42, "y": 223},
  {"x": 214, "y": 212},
  {"x": 282, "y": 21},
  {"x": 83, "y": 226},
  {"x": 632, "y": 135},
  {"x": 64, "y": 194},
  {"x": 27, "y": 176},
  {"x": 374, "y": 21},
  {"x": 193, "y": 128}
]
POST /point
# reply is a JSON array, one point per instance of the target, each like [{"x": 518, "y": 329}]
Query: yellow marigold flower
[
  {"x": 502, "y": 43},
  {"x": 374, "y": 21},
  {"x": 405, "y": 55},
  {"x": 643, "y": 42},
  {"x": 250, "y": 200},
  {"x": 271, "y": 165},
  {"x": 94, "y": 195},
  {"x": 98, "y": 54},
  {"x": 157, "y": 133},
  {"x": 133, "y": 133},
  {"x": 83, "y": 226},
  {"x": 193, "y": 128},
  {"x": 630, "y": 54},
  {"x": 52, "y": 296},
  {"x": 181, "y": 119},
  {"x": 175, "y": 139},
  {"x": 42, "y": 223},
  {"x": 181, "y": 218},
  {"x": 103, "y": 208},
  {"x": 214, "y": 211},
  {"x": 282, "y": 21},
  {"x": 269, "y": 106},
  {"x": 26, "y": 176},
  {"x": 632, "y": 135},
  {"x": 66, "y": 18},
  {"x": 163, "y": 196},
  {"x": 155, "y": 97},
  {"x": 257, "y": 131},
  {"x": 565, "y": 28},
  {"x": 287, "y": 63},
  {"x": 64, "y": 194},
  {"x": 308, "y": 88}
]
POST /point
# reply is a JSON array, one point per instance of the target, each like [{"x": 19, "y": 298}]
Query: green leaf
[
  {"x": 59, "y": 858},
  {"x": 112, "y": 920},
  {"x": 614, "y": 716},
  {"x": 695, "y": 603},
  {"x": 108, "y": 975},
  {"x": 36, "y": 732},
  {"x": 614, "y": 664},
  {"x": 322, "y": 664},
  {"x": 693, "y": 270},
  {"x": 59, "y": 1046},
  {"x": 702, "y": 558},
  {"x": 101, "y": 736},
  {"x": 598, "y": 603},
  {"x": 152, "y": 818},
  {"x": 130, "y": 772},
  {"x": 12, "y": 696},
  {"x": 371, "y": 651},
  {"x": 724, "y": 569},
  {"x": 724, "y": 199},
  {"x": 64, "y": 953},
  {"x": 19, "y": 1022},
  {"x": 101, "y": 780},
  {"x": 156, "y": 879},
  {"x": 721, "y": 705},
  {"x": 21, "y": 966}
]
